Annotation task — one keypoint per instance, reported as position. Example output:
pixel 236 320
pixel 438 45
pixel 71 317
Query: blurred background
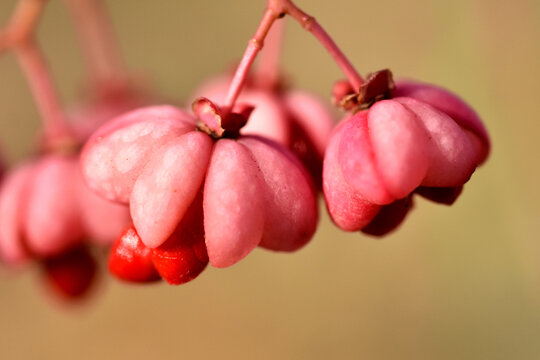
pixel 460 282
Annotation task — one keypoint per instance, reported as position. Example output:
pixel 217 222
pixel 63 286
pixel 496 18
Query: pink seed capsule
pixel 46 209
pixel 423 140
pixel 158 159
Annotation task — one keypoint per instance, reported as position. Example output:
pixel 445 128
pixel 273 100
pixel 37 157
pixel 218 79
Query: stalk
pixel 277 9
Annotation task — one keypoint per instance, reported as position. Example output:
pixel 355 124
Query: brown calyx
pixel 378 86
pixel 219 123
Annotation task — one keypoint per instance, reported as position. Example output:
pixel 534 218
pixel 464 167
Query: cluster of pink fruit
pixel 242 169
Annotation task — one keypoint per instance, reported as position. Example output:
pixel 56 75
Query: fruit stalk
pixel 277 9
pixel 268 72
pixel 19 37
pixel 254 46
pixel 22 23
pixel 103 60
pixel 310 24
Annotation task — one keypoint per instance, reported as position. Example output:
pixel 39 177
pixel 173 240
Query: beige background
pixel 453 283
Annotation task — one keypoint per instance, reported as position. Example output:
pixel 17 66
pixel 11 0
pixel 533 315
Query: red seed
pixel 71 274
pixel 183 256
pixel 130 260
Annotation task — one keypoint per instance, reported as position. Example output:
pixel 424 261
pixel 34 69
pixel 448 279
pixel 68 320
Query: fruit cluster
pixel 170 190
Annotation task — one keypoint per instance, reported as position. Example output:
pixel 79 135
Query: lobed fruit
pixel 254 192
pixel 424 140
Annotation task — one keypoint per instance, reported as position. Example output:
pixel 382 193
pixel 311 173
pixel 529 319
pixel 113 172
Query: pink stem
pixel 37 74
pixel 310 24
pixel 95 32
pixel 22 23
pixel 268 72
pixel 275 10
pixel 19 37
pixel 254 46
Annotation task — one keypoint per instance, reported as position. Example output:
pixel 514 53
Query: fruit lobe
pixel 46 209
pixel 167 186
pixel 234 211
pixel 113 157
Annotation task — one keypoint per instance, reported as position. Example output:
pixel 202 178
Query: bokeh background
pixel 460 282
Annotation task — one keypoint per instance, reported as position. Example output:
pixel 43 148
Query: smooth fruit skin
pixel 72 273
pixel 450 104
pixel 290 201
pixel 348 209
pixel 168 184
pixel 425 141
pixel 13 198
pixel 52 222
pixel 130 260
pixel 113 158
pixel 234 209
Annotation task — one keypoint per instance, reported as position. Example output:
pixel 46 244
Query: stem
pixel 37 74
pixel 277 9
pixel 268 73
pixel 22 23
pixel 103 60
pixel 19 37
pixel 254 46
pixel 310 24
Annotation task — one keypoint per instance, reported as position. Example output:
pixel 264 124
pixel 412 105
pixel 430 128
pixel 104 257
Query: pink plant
pixel 423 139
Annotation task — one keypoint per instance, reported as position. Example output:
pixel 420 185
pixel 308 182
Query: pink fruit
pixel 156 158
pixel 295 119
pixel 46 209
pixel 424 140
